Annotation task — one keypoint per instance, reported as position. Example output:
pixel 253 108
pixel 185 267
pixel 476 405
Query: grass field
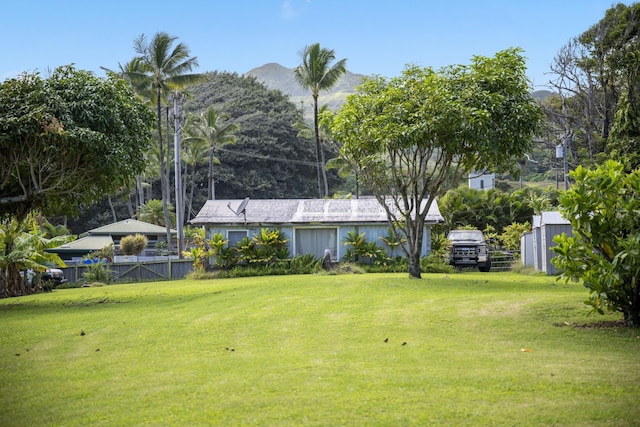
pixel 373 349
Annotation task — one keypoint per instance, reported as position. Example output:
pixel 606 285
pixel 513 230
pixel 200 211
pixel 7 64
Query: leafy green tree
pixel 604 253
pixel 316 73
pixel 162 67
pixel 68 140
pixel 414 135
pixel 596 76
pixel 510 237
pixel 214 128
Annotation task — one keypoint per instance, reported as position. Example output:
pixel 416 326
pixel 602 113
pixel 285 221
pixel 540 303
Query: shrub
pixel 97 272
pixel 433 263
pixel 133 245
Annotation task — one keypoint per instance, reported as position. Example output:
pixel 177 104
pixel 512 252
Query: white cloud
pixel 288 11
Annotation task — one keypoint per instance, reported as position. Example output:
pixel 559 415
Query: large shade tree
pixel 68 140
pixel 412 136
pixel 317 73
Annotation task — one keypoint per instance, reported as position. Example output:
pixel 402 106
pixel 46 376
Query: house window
pixel 235 236
pixel 316 240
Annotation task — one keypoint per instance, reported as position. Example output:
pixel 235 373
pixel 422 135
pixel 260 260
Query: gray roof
pixel 299 211
pixel 88 243
pixel 129 226
pixel 552 217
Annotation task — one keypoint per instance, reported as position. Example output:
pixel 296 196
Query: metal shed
pixel 551 224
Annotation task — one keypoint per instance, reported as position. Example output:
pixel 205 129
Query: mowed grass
pixel 373 349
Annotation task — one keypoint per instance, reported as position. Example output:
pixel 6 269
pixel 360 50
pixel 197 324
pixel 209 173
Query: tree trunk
pixel 140 190
pixel 212 190
pixel 113 210
pixel 163 177
pixel 632 311
pixel 168 163
pixel 318 146
pixel 414 267
pixel 324 171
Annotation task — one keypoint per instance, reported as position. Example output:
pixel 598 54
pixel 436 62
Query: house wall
pixel 373 232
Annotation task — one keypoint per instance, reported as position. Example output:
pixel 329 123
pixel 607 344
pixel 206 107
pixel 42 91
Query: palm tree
pixel 316 73
pixel 194 153
pixel 163 68
pixel 214 128
pixel 153 213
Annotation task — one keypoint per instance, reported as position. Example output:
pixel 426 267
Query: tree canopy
pixel 413 135
pixel 596 78
pixel 68 140
pixel 268 159
pixel 603 206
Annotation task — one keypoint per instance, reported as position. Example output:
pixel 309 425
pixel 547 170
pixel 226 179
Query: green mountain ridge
pixel 276 76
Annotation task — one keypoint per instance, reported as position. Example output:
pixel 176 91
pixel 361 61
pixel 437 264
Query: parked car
pixel 469 249
pixel 54 275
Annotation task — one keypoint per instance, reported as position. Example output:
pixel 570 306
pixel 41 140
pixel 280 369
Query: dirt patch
pixel 604 324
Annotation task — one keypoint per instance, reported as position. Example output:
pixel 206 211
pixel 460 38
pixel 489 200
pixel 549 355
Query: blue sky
pixel 376 37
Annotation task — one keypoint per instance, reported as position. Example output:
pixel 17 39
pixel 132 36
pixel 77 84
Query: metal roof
pixel 552 217
pixel 129 226
pixel 300 211
pixel 88 243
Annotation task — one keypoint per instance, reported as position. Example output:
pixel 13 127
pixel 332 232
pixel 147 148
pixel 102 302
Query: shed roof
pixel 552 217
pixel 129 226
pixel 300 211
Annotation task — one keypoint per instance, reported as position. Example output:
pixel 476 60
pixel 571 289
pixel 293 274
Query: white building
pixel 479 180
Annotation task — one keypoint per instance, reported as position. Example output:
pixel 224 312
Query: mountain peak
pixel 276 76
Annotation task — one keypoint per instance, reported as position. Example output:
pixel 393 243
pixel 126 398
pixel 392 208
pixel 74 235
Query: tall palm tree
pixel 316 73
pixel 164 67
pixel 215 128
pixel 194 153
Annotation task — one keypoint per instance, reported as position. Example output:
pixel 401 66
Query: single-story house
pixel 100 237
pixel 311 225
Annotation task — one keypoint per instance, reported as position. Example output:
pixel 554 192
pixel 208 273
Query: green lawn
pixel 371 349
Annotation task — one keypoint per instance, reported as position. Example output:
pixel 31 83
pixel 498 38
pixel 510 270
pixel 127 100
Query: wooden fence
pixel 137 271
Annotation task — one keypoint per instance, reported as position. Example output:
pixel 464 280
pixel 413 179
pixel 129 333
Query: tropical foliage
pixel 23 257
pixel 603 207
pixel 68 140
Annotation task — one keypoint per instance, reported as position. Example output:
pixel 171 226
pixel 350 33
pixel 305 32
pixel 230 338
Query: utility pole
pixel 177 97
pixel 566 162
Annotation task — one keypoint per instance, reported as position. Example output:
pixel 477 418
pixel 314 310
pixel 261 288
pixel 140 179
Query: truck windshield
pixel 466 235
